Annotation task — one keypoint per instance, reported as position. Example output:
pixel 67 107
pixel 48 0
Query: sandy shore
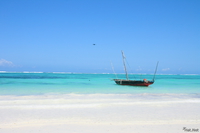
pixel 99 114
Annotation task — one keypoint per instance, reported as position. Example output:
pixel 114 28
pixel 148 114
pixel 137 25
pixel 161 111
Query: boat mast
pixel 124 64
pixel 155 71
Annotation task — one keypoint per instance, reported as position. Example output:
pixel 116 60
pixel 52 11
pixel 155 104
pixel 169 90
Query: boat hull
pixel 133 82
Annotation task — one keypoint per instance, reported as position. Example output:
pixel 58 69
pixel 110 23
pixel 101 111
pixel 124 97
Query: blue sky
pixel 58 35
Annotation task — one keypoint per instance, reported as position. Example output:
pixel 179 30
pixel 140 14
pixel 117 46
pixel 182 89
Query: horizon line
pixel 90 73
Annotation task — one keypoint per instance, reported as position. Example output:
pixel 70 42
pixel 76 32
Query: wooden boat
pixel 126 81
pixel 133 82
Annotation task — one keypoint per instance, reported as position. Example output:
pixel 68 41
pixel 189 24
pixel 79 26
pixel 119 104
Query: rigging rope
pixel 113 70
pixel 130 68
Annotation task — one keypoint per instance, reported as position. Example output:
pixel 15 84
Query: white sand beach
pixel 97 113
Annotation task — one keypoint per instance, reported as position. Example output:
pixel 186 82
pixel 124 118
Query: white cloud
pixel 139 68
pixel 165 69
pixel 4 62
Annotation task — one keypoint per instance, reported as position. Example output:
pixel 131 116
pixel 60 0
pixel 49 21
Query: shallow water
pixel 67 83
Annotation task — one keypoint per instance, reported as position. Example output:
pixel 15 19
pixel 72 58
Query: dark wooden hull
pixel 133 82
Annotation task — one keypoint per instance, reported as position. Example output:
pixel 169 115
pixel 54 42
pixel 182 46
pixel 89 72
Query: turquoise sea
pixel 69 83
